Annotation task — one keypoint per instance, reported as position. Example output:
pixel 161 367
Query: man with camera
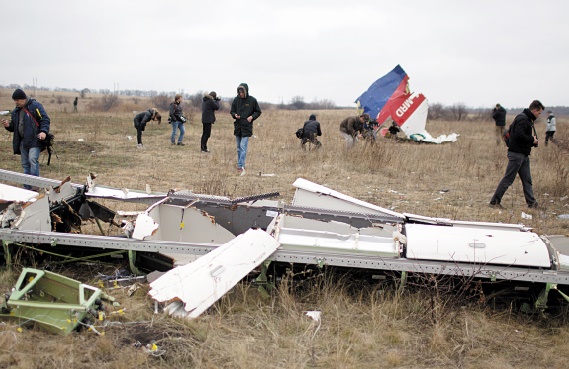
pixel 522 138
pixel 499 116
pixel 177 120
pixel 210 104
pixel 30 124
pixel 352 129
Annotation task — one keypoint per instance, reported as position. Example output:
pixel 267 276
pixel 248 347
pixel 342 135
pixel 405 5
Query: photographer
pixel 177 119
pixel 499 116
pixel 210 104
pixel 522 139
pixel 30 124
pixel 352 129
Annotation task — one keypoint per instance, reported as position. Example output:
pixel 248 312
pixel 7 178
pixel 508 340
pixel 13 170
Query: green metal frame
pixel 57 303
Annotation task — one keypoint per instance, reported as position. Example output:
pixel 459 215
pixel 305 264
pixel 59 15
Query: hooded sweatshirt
pixel 244 107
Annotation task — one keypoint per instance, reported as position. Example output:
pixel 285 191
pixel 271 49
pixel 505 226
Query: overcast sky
pixel 472 52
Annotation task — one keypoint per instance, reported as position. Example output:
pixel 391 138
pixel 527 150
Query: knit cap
pixel 19 94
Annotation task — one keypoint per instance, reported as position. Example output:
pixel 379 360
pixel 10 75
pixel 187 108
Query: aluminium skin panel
pixel 201 283
pixel 294 233
pixel 480 245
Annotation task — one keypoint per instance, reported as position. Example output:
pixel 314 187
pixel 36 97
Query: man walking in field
pixel 30 124
pixel 522 139
pixel 244 110
pixel 499 116
pixel 550 127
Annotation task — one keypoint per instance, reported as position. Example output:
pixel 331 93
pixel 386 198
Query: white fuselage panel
pixel 476 245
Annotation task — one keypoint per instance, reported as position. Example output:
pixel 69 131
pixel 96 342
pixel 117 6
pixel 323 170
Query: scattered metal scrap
pixel 321 227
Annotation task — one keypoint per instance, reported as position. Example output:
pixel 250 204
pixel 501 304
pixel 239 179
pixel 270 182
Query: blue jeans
pixel 242 143
pixel 175 126
pixel 30 161
pixel 518 164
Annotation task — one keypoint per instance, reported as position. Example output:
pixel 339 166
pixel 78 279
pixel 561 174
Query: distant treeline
pixel 162 99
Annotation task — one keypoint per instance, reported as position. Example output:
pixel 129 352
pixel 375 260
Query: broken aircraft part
pixel 320 227
pixel 201 283
pixel 56 303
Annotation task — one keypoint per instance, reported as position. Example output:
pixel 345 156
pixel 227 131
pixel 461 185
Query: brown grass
pixel 366 326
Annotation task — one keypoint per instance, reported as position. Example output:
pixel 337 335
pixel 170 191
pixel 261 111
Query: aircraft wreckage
pixel 206 244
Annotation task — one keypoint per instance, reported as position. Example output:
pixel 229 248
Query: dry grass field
pixel 363 325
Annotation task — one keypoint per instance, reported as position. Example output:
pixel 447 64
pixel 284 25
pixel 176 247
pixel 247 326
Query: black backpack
pixel 508 133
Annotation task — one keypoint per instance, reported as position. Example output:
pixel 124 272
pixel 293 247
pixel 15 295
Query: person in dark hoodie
pixel 522 139
pixel 244 109
pixel 177 120
pixel 30 124
pixel 310 131
pixel 140 121
pixel 210 104
pixel 499 116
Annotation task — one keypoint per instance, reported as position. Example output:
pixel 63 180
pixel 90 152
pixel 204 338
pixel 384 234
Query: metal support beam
pixel 132 263
pixel 15 177
pixel 344 259
pixel 7 254
pixel 264 285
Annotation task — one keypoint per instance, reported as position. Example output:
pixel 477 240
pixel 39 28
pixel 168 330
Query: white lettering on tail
pixel 405 106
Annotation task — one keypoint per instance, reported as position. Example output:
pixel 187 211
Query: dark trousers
pixel 517 164
pixel 139 135
pixel 549 136
pixel 205 135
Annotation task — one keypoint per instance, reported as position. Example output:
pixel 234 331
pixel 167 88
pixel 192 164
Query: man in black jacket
pixel 244 109
pixel 310 130
pixel 499 115
pixel 210 104
pixel 30 124
pixel 522 139
pixel 140 121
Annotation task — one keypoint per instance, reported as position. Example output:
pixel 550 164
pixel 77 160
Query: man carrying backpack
pixel 30 124
pixel 522 139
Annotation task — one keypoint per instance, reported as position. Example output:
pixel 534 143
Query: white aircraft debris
pixel 201 283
